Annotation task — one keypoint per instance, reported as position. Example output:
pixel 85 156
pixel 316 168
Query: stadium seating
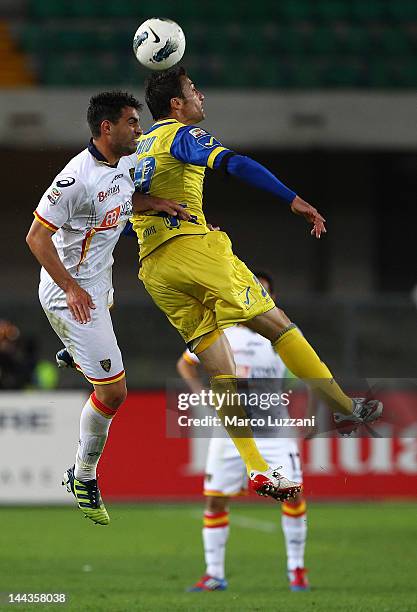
pixel 285 44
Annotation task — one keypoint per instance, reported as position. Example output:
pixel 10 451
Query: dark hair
pixel 161 87
pixel 109 105
pixel 261 274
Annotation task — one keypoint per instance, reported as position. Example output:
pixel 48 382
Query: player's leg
pixel 299 357
pixel 97 355
pixel 216 357
pixel 294 527
pixel 95 421
pixel 302 360
pixel 225 477
pixel 285 452
pixel 215 535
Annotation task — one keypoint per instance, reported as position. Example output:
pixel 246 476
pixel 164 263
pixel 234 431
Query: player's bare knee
pixel 216 504
pixel 112 396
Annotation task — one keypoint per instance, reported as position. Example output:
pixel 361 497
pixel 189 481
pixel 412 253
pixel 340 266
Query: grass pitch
pixel 361 557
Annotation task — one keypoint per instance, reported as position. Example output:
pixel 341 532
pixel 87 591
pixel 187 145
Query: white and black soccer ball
pixel 159 43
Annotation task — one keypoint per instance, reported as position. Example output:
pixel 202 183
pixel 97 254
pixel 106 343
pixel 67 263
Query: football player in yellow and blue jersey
pixel 194 277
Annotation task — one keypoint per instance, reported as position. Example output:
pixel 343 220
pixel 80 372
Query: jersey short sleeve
pixel 193 145
pixel 60 200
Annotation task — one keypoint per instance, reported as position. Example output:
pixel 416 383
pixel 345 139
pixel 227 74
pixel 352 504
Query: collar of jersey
pixel 158 124
pixel 99 156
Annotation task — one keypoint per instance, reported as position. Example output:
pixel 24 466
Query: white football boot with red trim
pixel 273 484
pixel 364 411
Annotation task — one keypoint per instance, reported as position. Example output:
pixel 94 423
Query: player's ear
pixel 176 103
pixel 105 127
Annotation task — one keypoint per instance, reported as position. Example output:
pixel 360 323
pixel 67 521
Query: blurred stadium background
pixel 323 92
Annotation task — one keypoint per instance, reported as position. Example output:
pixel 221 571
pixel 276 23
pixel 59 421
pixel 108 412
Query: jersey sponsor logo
pixel 118 176
pixel 126 209
pixel 103 195
pixel 66 182
pixel 54 195
pixel 197 132
pixel 111 218
pixel 106 364
pixel 149 231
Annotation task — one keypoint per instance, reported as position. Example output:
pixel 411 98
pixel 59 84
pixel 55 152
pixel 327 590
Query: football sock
pixel 294 526
pixel 302 360
pixel 94 426
pixel 224 388
pixel 215 534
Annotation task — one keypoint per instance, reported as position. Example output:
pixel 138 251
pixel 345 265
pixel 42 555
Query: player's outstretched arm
pixel 39 240
pixel 143 202
pixel 257 175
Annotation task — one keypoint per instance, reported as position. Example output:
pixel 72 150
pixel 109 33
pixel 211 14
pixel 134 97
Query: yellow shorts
pixel 200 285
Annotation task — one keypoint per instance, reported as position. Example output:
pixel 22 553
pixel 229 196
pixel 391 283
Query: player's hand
pixel 311 214
pixel 79 302
pixel 147 202
pixel 213 228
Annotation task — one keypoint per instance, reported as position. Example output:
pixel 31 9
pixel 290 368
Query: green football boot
pixel 88 497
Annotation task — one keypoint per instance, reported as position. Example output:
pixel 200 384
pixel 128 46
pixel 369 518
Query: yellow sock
pixel 302 360
pixel 241 436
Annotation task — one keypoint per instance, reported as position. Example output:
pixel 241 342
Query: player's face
pixel 193 100
pixel 125 132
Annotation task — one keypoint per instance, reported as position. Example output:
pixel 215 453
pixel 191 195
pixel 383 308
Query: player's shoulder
pixel 163 128
pixel 193 132
pixel 128 162
pixel 78 168
pixel 69 184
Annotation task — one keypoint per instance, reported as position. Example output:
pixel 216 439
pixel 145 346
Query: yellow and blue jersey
pixel 171 162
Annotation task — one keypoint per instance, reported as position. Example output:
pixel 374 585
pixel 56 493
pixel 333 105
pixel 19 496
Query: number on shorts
pixel 295 461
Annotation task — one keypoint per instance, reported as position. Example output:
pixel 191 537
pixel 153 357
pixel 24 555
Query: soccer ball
pixel 159 43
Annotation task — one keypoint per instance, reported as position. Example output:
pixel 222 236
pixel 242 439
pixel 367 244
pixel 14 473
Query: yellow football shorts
pixel 200 285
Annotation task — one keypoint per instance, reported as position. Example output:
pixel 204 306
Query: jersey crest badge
pixel 208 142
pixel 106 364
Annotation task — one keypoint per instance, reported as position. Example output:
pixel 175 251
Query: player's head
pixel 171 93
pixel 266 281
pixel 114 116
